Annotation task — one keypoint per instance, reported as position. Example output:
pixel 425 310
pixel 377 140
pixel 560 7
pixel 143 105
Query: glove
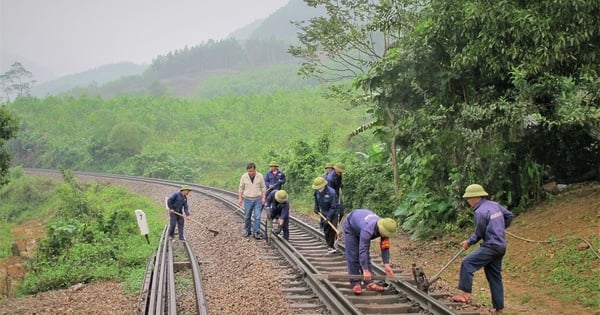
pixel 316 211
pixel 276 229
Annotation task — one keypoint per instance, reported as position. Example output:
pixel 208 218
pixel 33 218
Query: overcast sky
pixel 71 36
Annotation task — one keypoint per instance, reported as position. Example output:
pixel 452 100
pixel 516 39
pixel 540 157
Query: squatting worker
pixel 360 227
pixel 491 219
pixel 278 207
pixel 326 204
pixel 251 196
pixel 178 204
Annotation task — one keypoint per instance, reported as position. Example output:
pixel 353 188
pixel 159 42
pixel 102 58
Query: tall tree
pixel 17 80
pixel 346 43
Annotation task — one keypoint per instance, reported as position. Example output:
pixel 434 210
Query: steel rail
pixel 200 300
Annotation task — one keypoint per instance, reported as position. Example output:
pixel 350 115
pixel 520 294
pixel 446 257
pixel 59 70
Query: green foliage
pixel 207 141
pixel 127 139
pixel 260 81
pixel 24 199
pixel 6 239
pixel 90 238
pixel 9 126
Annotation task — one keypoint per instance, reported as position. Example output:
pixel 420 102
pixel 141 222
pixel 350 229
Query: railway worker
pixel 326 204
pixel 328 169
pixel 334 180
pixel 362 226
pixel 274 179
pixel 278 207
pixel 491 219
pixel 178 205
pixel 251 196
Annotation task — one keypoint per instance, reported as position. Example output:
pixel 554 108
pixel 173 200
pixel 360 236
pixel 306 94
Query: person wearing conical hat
pixel 178 205
pixel 360 227
pixel 491 219
pixel 334 180
pixel 275 178
pixel 326 205
pixel 278 209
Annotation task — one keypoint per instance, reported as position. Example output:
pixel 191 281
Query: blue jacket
pixel 363 222
pixel 279 210
pixel 275 180
pixel 491 219
pixel 326 201
pixel 178 202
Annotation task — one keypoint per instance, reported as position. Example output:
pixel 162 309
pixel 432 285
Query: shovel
pixel 421 279
pixel 215 233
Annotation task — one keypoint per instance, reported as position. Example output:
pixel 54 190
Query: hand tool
pixel 421 279
pixel 328 222
pixel 215 233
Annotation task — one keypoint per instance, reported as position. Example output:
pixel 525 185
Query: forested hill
pixel 256 47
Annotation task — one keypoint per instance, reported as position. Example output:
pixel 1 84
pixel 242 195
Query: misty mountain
pixel 97 76
pixel 279 24
pixel 259 45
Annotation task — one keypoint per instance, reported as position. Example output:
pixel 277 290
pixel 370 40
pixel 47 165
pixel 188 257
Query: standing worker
pixel 328 169
pixel 178 204
pixel 326 203
pixel 362 226
pixel 278 205
pixel 251 195
pixel 274 179
pixel 491 219
pixel 334 180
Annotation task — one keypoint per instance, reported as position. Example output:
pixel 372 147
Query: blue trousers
pixel 351 242
pixel 176 220
pixel 252 206
pixel 490 259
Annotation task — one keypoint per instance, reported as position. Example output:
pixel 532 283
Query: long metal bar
pixel 200 301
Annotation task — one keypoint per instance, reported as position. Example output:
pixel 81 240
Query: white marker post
pixel 142 223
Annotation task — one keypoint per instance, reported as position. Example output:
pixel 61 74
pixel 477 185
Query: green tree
pixel 17 80
pixel 127 139
pixel 9 126
pixel 346 43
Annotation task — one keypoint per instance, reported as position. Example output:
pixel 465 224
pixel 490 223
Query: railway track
pixel 314 283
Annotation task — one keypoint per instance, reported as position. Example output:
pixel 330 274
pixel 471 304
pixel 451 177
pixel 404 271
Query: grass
pixel 89 234
pixel 6 240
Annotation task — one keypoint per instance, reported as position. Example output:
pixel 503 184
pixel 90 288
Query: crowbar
pixel 421 279
pixel 215 233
